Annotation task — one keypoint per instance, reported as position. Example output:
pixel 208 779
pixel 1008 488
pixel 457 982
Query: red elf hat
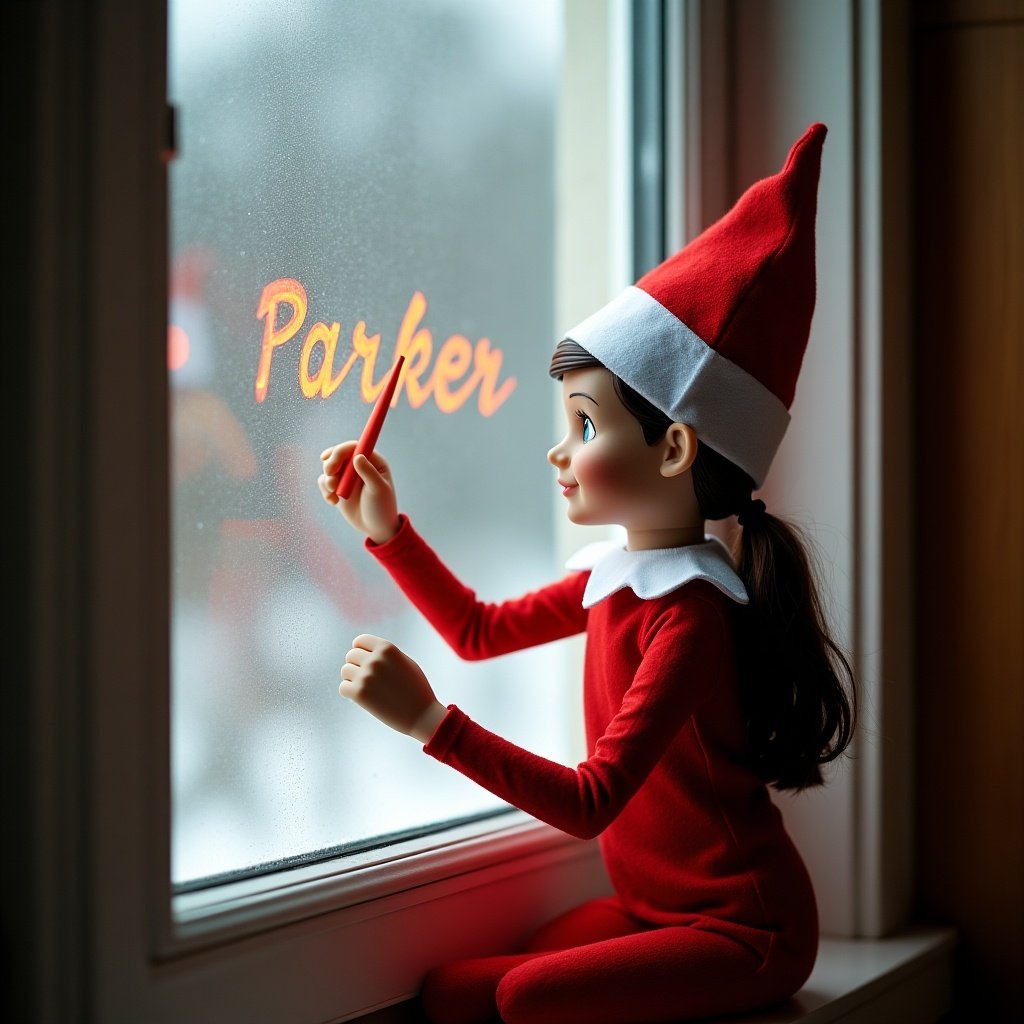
pixel 714 336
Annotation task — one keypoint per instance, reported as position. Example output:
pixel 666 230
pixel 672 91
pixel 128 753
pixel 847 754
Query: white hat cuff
pixel 658 356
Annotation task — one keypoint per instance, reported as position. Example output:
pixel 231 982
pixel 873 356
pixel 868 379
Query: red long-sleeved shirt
pixel 688 832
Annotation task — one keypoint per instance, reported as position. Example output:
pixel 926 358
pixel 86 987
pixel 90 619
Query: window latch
pixel 169 148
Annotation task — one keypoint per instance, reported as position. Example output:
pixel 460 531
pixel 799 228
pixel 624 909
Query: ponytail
pixel 796 685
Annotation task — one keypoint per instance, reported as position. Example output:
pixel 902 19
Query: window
pixel 353 181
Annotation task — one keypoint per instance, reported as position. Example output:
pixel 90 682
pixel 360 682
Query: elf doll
pixel 707 677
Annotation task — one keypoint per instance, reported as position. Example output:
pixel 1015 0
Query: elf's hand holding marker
pixel 372 507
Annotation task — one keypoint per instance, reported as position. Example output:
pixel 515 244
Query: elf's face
pixel 607 471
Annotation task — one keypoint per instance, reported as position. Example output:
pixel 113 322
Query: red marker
pixel 364 446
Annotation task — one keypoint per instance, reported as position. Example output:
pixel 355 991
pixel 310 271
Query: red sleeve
pixel 681 661
pixel 475 629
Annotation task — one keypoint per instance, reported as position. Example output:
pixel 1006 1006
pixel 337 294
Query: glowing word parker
pixel 459 368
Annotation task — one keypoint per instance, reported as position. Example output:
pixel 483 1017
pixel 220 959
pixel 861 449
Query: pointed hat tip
pixel 807 148
pixel 815 134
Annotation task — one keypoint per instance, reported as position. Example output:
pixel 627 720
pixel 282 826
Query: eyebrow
pixel 583 394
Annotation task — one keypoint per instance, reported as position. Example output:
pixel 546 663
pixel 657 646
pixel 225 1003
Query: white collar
pixel 651 574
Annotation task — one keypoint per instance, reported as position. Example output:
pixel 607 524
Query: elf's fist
pixel 391 686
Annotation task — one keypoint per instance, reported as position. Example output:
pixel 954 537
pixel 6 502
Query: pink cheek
pixel 595 473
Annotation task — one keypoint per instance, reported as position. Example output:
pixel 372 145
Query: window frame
pixel 97 891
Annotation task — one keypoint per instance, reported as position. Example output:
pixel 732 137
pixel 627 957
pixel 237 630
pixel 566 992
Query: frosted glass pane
pixel 353 177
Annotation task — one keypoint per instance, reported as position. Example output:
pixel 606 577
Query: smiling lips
pixel 567 489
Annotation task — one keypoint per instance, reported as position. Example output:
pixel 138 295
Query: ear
pixel 680 449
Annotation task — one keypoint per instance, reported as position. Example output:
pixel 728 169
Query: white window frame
pixel 105 947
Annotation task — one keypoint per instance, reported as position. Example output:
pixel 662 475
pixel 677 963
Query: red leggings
pixel 597 964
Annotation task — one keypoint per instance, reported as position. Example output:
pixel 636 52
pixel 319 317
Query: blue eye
pixel 589 431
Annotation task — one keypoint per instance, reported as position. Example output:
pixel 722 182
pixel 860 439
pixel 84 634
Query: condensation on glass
pixel 353 179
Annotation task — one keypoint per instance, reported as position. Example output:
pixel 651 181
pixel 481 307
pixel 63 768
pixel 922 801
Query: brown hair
pixel 796 686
